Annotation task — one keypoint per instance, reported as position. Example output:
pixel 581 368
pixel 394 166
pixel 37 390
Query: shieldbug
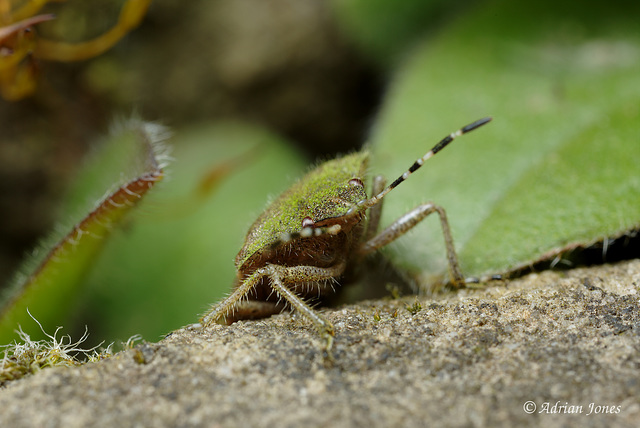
pixel 307 238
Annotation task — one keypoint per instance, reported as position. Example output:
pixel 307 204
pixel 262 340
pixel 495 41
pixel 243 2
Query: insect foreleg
pixel 408 221
pixel 224 307
pixel 281 275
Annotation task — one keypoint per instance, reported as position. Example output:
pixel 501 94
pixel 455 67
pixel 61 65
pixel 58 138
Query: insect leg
pixel 408 221
pixel 379 183
pixel 281 275
pixel 222 308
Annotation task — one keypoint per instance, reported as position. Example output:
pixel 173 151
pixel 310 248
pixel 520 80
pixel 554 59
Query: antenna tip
pixel 476 124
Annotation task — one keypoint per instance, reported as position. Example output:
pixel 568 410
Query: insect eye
pixel 356 182
pixel 307 222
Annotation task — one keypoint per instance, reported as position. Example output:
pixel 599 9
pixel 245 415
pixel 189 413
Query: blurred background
pixel 301 80
pixel 281 64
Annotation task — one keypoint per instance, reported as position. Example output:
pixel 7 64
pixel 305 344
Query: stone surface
pixel 468 359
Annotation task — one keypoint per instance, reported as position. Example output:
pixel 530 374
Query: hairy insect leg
pixel 228 304
pixel 280 276
pixel 283 274
pixel 375 212
pixel 410 220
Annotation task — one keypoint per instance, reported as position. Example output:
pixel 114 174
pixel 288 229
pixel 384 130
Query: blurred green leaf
pixel 178 257
pixel 554 169
pixel 126 167
pixel 385 30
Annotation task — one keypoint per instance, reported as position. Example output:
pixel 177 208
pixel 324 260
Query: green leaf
pixel 129 164
pixel 581 193
pixel 554 169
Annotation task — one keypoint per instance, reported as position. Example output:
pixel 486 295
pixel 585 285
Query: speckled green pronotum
pixel 313 232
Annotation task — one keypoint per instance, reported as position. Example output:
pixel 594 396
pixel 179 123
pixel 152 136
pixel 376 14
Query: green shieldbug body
pixel 312 233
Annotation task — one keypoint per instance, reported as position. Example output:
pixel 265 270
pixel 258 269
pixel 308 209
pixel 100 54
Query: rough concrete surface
pixel 557 339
